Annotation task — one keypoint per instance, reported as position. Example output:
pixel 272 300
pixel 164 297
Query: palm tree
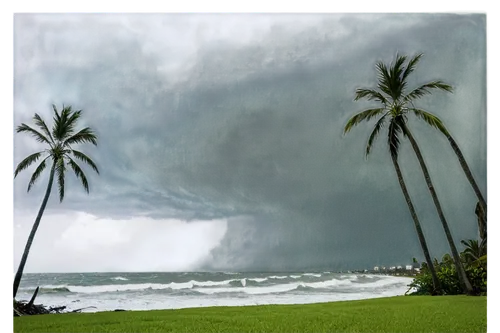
pixel 474 249
pixel 59 151
pixel 394 131
pixel 396 105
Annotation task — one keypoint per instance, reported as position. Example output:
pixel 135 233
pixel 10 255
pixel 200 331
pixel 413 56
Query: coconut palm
pixel 396 105
pixel 60 153
pixel 394 132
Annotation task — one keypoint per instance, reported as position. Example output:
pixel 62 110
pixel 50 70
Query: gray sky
pixel 221 145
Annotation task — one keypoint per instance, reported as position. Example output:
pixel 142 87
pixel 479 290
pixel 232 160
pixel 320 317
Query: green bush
pixel 477 277
pixel 448 277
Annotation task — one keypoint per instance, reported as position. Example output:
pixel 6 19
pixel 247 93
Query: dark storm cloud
pixel 251 130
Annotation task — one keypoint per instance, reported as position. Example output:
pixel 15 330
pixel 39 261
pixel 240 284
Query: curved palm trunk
pixel 19 273
pixel 480 215
pixel 421 238
pixel 460 269
pixel 467 172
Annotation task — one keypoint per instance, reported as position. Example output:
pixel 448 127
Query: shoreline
pixel 162 293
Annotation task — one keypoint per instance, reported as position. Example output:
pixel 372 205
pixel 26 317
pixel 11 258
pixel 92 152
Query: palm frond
pixel 37 173
pixel 370 95
pixel 396 73
pixel 65 112
pixel 64 124
pixel 384 79
pixel 397 68
pixel 364 115
pixel 82 157
pixel 425 89
pixel 60 169
pixel 430 119
pixel 41 123
pixel 393 137
pixel 84 135
pixel 73 117
pixel 374 134
pixel 57 119
pixel 27 162
pixel 37 135
pixel 411 66
pixel 79 174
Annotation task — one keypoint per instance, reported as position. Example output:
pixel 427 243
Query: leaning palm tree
pixel 60 153
pixel 396 105
pixel 393 142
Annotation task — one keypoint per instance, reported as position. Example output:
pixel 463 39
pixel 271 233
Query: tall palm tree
pixel 393 142
pixel 396 105
pixel 60 152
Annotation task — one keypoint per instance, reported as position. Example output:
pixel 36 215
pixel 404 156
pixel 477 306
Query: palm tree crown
pixel 396 102
pixel 60 141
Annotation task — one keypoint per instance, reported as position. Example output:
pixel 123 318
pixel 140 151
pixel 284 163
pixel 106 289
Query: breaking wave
pixel 251 285
pixel 119 278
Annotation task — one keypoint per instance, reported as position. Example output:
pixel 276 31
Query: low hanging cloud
pixel 239 118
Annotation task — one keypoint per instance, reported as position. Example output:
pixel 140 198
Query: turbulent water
pixel 146 291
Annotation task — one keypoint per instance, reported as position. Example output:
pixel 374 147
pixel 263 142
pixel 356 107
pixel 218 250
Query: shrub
pixel 448 278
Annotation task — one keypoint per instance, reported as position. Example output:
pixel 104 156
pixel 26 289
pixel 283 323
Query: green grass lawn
pixel 394 314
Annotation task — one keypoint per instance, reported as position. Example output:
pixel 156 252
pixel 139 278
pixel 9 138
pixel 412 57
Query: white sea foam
pixel 280 288
pixel 206 292
pixel 312 274
pixel 138 286
pixel 119 278
pixel 160 302
pixel 258 279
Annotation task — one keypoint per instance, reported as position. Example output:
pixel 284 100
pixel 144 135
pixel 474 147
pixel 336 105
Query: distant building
pixel 392 268
pixel 376 268
pixel 399 267
pixel 409 267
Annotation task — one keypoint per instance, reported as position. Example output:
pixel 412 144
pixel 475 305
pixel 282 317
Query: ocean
pixel 147 291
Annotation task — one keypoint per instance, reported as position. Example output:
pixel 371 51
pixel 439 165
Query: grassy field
pixel 394 314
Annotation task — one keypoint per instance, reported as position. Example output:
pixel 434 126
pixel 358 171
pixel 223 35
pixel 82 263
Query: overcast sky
pixel 221 145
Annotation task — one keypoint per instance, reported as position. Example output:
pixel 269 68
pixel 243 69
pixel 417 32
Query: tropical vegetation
pixel 473 259
pixel 397 104
pixel 60 154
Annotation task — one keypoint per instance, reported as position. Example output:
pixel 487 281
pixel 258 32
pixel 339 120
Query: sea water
pixel 155 290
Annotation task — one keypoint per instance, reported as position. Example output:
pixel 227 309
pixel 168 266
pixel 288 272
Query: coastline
pixel 98 292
